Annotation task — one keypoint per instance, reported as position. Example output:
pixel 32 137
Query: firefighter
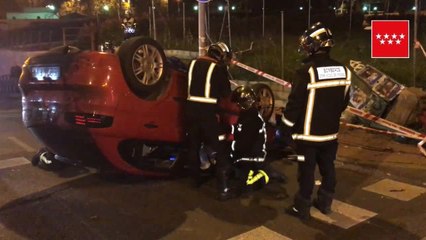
pixel 128 24
pixel 311 118
pixel 248 148
pixel 248 135
pixel 208 83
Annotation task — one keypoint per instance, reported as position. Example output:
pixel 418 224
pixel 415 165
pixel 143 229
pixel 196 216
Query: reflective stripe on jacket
pixel 207 81
pixel 317 100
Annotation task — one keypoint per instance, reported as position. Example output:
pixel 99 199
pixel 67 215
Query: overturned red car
pixel 124 108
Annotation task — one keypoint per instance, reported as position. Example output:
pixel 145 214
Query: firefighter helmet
pixel 220 51
pixel 244 96
pixel 315 38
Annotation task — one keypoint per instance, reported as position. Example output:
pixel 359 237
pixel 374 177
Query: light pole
pixel 183 20
pixel 309 13
pixel 153 20
pixel 202 36
pixel 416 18
pixel 229 22
pixel 350 17
pixel 282 44
pixel 263 18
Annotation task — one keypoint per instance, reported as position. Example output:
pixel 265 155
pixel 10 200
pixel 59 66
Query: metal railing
pixel 8 86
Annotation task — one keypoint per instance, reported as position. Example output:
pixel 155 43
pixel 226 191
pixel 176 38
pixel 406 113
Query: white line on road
pixel 23 145
pixel 394 189
pixel 11 111
pixel 260 233
pixel 343 215
pixel 13 162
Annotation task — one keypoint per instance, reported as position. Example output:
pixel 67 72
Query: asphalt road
pixel 80 203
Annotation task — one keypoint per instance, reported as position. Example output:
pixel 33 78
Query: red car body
pixel 87 106
pixel 90 110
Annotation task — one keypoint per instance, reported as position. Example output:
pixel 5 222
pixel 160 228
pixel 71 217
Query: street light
pixel 51 7
pixel 105 8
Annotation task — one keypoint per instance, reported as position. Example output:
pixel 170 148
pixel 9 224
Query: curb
pixel 375 164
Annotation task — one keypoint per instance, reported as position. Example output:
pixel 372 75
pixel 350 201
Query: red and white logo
pixel 390 39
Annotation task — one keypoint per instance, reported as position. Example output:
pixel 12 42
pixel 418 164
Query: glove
pixel 284 136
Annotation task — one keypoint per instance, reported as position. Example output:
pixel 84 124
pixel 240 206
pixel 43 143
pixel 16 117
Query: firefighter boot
pixel 301 208
pixel 323 201
pixel 224 186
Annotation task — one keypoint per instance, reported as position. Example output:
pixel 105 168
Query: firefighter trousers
pixel 323 155
pixel 205 130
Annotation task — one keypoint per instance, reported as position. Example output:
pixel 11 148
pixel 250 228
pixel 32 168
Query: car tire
pixel 143 63
pixel 265 100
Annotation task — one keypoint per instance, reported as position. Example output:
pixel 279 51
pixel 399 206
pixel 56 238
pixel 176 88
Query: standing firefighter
pixel 207 83
pixel 312 114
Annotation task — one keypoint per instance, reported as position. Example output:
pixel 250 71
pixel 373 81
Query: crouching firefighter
pixel 311 118
pixel 208 83
pixel 248 141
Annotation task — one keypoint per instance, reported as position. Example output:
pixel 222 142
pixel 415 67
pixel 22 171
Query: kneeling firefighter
pixel 248 140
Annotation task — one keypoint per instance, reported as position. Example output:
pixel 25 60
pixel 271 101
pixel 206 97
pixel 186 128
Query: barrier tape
pixel 374 130
pixel 420 146
pixel 234 83
pixel 406 131
pixel 419 45
pixel 262 74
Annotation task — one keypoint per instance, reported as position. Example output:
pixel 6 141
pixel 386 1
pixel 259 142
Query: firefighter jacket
pixel 249 137
pixel 207 83
pixel 317 99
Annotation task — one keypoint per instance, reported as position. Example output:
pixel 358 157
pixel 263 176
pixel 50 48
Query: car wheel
pixel 266 100
pixel 143 62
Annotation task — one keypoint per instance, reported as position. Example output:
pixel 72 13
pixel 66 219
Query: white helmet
pixel 220 51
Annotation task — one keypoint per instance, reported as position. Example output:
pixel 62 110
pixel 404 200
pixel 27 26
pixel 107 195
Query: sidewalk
pixel 10 102
pixel 361 147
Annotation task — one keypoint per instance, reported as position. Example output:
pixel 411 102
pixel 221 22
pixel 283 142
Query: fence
pixel 9 86
pixel 44 34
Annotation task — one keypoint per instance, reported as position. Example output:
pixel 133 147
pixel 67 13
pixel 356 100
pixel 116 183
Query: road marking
pixel 23 145
pixel 11 111
pixel 9 114
pixel 13 162
pixel 260 233
pixel 5 233
pixel 394 189
pixel 343 215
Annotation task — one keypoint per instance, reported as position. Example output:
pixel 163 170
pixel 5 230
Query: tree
pixel 73 6
pixel 88 7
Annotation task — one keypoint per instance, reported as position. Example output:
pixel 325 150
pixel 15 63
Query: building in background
pixel 32 13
